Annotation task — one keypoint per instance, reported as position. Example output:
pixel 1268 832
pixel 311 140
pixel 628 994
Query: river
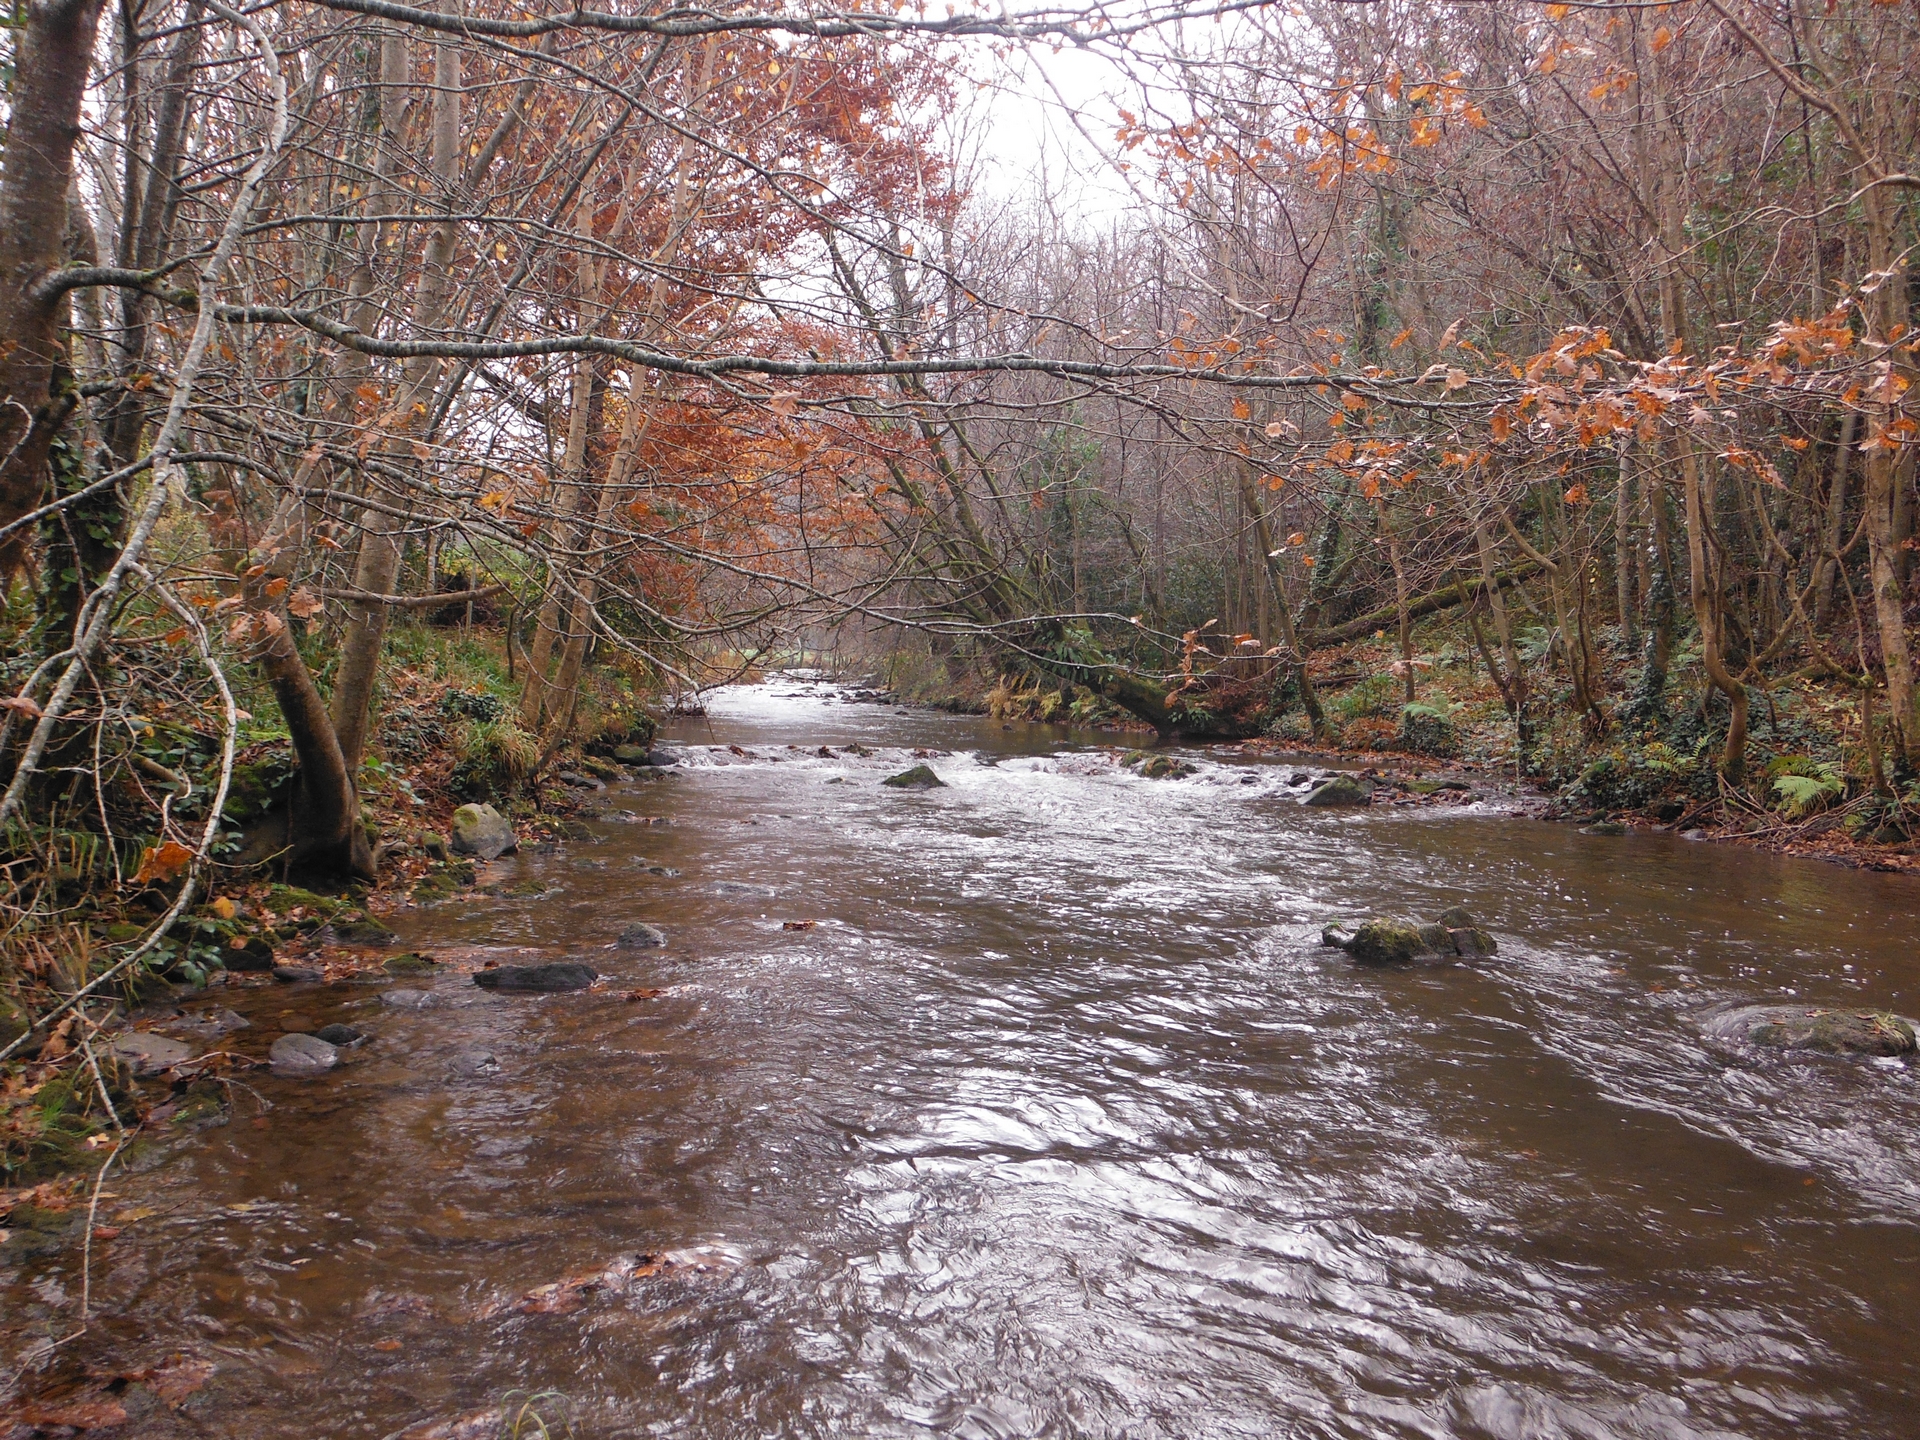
pixel 1056 1120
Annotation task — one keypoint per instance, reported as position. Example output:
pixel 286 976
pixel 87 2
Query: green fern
pixel 1803 794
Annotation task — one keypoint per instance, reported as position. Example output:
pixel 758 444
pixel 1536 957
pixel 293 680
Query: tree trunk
pixel 51 61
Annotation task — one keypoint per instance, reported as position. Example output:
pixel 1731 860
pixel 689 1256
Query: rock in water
pixel 482 830
pixel 410 963
pixel 660 759
pixel 920 777
pixel 537 979
pixel 630 754
pixel 340 1034
pixel 1161 767
pixel 642 937
pixel 1469 940
pixel 150 1054
pixel 356 927
pixel 298 974
pixel 302 1055
pixel 1341 790
pixel 1831 1032
pixel 1386 941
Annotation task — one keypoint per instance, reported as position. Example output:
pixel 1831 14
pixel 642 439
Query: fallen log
pixel 1431 603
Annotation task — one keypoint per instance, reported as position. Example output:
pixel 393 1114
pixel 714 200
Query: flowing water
pixel 1057 1121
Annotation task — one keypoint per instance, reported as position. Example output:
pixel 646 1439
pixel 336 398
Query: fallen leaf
pixel 174 1381
pixel 84 1415
pixel 799 924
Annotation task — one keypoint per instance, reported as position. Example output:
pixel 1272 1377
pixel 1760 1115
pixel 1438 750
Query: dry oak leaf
pixel 304 604
pixel 163 862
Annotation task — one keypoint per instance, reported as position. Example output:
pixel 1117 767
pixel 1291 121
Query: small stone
pixel 630 754
pixel 150 1054
pixel 298 974
pixel 537 979
pixel 435 846
pixel 642 937
pixel 660 759
pixel 920 777
pixel 482 830
pixel 410 963
pixel 1341 790
pixel 338 1035
pixel 579 781
pixel 302 1055
pixel 1605 827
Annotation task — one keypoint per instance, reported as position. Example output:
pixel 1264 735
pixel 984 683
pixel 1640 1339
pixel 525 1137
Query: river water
pixel 1056 1121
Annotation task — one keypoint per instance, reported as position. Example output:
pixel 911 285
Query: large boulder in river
pixel 1342 790
pixel 1386 941
pixel 537 979
pixel 482 830
pixel 1829 1032
pixel 920 777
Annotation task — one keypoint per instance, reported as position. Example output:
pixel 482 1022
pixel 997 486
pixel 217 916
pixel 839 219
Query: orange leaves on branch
pixel 162 864
pixel 304 604
pixel 1662 38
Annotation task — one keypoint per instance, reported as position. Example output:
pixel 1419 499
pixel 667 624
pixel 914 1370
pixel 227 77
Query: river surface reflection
pixel 1057 1120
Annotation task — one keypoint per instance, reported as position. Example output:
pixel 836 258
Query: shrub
pixel 1429 729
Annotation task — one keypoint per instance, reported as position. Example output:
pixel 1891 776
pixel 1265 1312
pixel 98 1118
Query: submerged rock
pixel 482 830
pixel 1341 790
pixel 537 979
pixel 642 937
pixel 339 1035
pixel 1823 1032
pixel 920 777
pixel 410 963
pixel 302 1055
pixel 150 1054
pixel 1388 941
pixel 1604 827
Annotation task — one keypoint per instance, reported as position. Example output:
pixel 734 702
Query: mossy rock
pixel 443 881
pixel 248 954
pixel 1833 1032
pixel 1161 767
pixel 598 768
pixel 411 963
pixel 284 899
pixel 572 830
pixel 201 1106
pixel 1389 941
pixel 920 777
pixel 356 927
